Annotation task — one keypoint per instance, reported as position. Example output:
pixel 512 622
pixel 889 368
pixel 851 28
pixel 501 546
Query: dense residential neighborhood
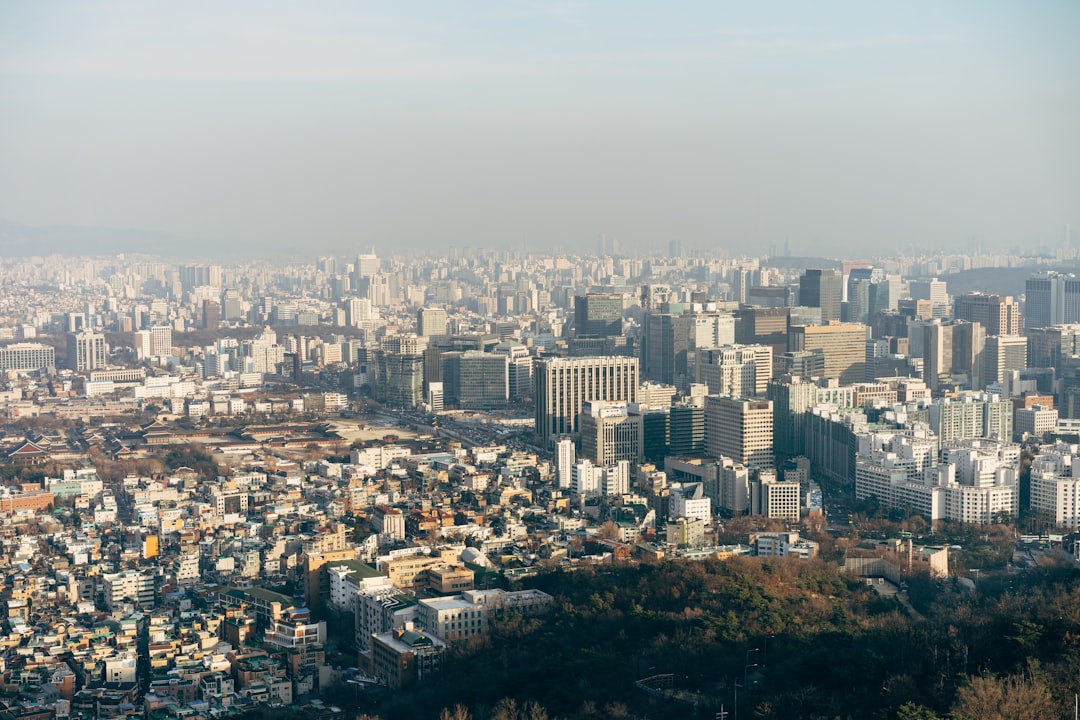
pixel 239 486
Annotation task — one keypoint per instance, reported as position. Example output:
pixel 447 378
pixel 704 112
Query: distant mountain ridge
pixel 17 240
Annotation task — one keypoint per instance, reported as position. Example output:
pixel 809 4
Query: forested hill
pixel 809 642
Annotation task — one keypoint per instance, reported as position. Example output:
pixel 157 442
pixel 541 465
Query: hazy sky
pixel 330 126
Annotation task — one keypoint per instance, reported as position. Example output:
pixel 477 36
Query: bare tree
pixel 458 712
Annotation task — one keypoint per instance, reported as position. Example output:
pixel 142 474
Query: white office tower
pixel 431 321
pixel 688 500
pixel 1055 484
pixel 87 351
pixel 976 480
pixel 564 385
pixel 741 371
pixel 565 456
pixel 367 264
pixel 161 340
pixel 358 311
pixel 739 429
pixel 583 481
pixel 588 480
pixel 614 479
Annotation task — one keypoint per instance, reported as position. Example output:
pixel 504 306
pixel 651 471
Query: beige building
pixel 448 579
pixel 739 429
pixel 609 433
pixel 402 658
pixel 410 571
pixel 843 346
pixel 460 617
pixel 564 385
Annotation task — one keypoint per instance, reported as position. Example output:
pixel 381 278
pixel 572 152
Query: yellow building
pixel 843 346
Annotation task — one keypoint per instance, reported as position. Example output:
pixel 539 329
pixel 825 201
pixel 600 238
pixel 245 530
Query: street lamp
pixel 747 670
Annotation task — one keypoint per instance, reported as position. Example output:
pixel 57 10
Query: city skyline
pixel 546 125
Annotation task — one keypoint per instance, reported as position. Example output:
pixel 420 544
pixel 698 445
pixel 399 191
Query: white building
pixel 564 461
pixel 1055 484
pixel 590 480
pixel 689 501
pixel 459 617
pixel 975 481
pixel 783 544
pixel 1034 421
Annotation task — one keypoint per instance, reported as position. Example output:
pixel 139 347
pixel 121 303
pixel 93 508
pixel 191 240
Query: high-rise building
pixel 868 293
pixel 998 314
pixel 772 296
pixel 739 429
pixel 598 315
pixel 565 457
pixel 564 385
pixel 475 380
pixel 822 288
pixel 705 328
pixel 842 344
pixel 211 314
pixel 430 321
pixel 232 305
pixel 358 311
pixel 400 379
pixel 655 433
pixel 792 397
pixel 932 289
pixel 27 357
pixel 161 340
pixel 667 341
pixel 971 415
pixel 86 351
pixel 609 433
pixel 764 326
pixel 686 430
pixel 367 264
pixel 952 354
pixel 1049 346
pixel 405 343
pixel 1003 353
pixel 520 368
pixel 738 370
pixel 1051 298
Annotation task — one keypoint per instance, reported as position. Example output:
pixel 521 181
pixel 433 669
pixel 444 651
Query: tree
pixel 575 546
pixel 1016 697
pixel 508 709
pixel 458 712
pixel 911 711
pixel 609 531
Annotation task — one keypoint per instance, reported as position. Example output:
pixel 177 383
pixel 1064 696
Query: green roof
pixel 360 568
pixel 269 596
pixel 415 639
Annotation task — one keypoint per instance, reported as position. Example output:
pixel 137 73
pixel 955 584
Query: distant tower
pixel 211 314
pixel 564 385
pixel 598 314
pixel 430 321
pixel 822 289
pixel 86 351
pixel 565 457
